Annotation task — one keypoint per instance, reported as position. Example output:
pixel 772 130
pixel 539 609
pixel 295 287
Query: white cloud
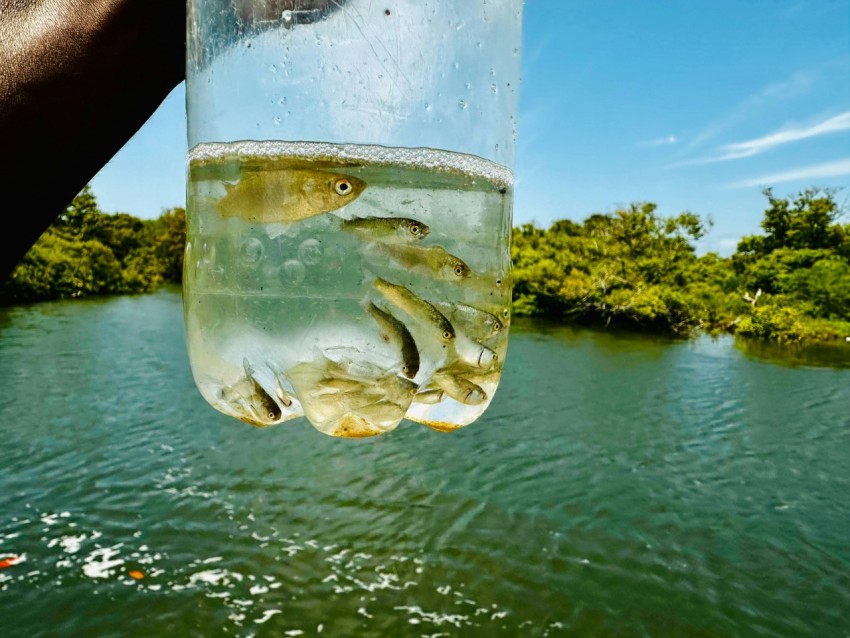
pixel 737 150
pixel 660 141
pixel 798 84
pixel 816 171
pixel 835 124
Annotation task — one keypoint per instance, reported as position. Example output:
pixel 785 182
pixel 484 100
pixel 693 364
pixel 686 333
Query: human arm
pixel 77 79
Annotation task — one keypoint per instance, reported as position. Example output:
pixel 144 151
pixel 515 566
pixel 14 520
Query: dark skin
pixel 77 79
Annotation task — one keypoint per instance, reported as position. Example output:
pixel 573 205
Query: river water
pixel 617 486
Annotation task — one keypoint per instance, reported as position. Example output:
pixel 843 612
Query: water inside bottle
pixel 354 285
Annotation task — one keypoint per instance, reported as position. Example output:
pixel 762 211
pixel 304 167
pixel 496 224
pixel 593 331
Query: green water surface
pixel 617 486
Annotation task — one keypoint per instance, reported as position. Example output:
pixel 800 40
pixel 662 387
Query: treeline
pixel 88 252
pixel 631 268
pixel 638 270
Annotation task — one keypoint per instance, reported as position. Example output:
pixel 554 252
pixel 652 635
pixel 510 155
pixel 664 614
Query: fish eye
pixel 459 270
pixel 342 186
pixel 447 335
pixel 505 313
pixel 414 229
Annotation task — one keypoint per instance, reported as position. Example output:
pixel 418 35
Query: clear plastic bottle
pixel 348 247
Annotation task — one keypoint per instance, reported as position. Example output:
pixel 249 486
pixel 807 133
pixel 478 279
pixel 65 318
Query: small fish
pixel 136 574
pixel 477 323
pixel 480 355
pixel 249 394
pixel 473 353
pixel 429 397
pixel 384 414
pixel 402 228
pixel 288 195
pixel 416 307
pixel 478 376
pixel 336 385
pixel 9 561
pixel 394 332
pixel 434 261
pixel 459 389
pixel 279 390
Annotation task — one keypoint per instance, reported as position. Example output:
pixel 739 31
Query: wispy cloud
pixel 816 171
pixel 785 135
pixel 660 141
pixel 759 145
pixel 798 84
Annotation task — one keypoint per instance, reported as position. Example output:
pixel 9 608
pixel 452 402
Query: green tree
pixel 89 252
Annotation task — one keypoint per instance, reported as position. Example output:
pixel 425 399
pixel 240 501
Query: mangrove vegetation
pixel 631 268
pixel 635 269
pixel 89 252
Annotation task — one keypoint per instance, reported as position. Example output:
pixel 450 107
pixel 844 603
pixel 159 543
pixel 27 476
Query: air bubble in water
pixel 310 252
pixel 251 251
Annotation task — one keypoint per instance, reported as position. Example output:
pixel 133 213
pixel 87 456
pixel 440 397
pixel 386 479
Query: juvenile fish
pixel 394 332
pixel 476 375
pixel 459 389
pixel 434 261
pixel 248 393
pixel 402 228
pixel 381 413
pixel 429 397
pixel 337 385
pixel 279 390
pixel 288 195
pixel 475 353
pixel 477 323
pixel 416 307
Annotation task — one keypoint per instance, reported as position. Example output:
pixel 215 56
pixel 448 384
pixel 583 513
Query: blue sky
pixel 694 105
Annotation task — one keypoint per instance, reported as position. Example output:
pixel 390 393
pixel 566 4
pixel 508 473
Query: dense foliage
pixel 631 268
pixel 89 252
pixel 636 269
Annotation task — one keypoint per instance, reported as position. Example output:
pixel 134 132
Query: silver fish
pixel 416 307
pixel 333 393
pixel 381 413
pixel 434 261
pixel 279 390
pixel 475 322
pixel 459 388
pixel 477 353
pixel 337 385
pixel 247 393
pixel 429 397
pixel 471 372
pixel 396 333
pixel 402 228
